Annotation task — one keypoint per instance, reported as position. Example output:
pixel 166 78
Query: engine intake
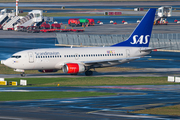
pixel 73 68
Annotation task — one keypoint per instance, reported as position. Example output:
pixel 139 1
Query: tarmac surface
pixel 128 99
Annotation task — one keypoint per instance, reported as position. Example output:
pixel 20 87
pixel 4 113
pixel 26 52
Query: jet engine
pixel 45 71
pixel 73 68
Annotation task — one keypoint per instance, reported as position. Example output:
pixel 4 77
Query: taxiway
pixel 128 98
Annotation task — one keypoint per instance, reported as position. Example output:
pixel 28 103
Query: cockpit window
pixel 16 56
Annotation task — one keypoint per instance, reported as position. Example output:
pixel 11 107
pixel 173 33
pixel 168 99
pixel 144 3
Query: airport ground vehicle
pixel 84 21
pixel 74 22
pixel 91 21
pixel 45 25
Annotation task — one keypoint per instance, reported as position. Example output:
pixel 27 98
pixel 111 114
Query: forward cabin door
pixel 31 58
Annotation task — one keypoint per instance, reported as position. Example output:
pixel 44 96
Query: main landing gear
pixel 23 74
pixel 89 73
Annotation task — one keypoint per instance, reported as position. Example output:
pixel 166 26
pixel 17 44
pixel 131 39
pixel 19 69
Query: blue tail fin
pixel 142 34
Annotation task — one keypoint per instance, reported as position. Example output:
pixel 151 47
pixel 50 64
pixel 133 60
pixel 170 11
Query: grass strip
pixel 170 110
pixel 94 81
pixel 10 96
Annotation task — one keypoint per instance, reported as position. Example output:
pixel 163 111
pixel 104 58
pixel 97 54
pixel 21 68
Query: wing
pixel 108 62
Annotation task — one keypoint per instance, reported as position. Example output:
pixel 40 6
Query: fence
pixel 157 40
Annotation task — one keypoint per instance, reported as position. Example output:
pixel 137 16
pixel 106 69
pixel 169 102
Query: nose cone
pixel 7 63
pixel 2 61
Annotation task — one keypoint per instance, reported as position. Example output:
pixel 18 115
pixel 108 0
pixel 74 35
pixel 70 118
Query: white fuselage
pixel 55 58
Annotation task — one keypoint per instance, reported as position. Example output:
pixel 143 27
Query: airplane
pixel 82 60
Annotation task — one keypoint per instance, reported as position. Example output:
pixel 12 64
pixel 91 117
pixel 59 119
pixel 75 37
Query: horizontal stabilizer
pixel 150 49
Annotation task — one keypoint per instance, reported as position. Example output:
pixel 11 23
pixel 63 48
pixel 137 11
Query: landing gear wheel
pixel 89 73
pixel 23 74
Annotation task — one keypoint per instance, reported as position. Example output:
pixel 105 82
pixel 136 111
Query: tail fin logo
pixel 141 39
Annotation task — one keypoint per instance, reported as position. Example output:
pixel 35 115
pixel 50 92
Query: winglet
pixel 142 34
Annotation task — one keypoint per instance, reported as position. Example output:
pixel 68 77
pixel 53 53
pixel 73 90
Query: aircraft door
pixel 127 53
pixel 31 58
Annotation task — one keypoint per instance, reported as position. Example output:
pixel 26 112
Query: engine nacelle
pixel 73 68
pixel 45 71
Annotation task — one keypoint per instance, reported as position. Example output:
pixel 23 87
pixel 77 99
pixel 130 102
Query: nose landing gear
pixel 23 74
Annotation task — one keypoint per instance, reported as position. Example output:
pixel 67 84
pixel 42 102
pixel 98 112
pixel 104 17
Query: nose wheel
pixel 23 74
pixel 89 73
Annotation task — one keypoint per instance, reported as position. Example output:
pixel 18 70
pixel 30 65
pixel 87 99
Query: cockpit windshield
pixel 16 56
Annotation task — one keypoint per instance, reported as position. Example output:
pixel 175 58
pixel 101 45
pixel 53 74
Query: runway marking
pixel 144 106
pixel 67 101
pixel 129 116
pixel 10 118
pixel 93 111
pixel 16 90
pixel 120 87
